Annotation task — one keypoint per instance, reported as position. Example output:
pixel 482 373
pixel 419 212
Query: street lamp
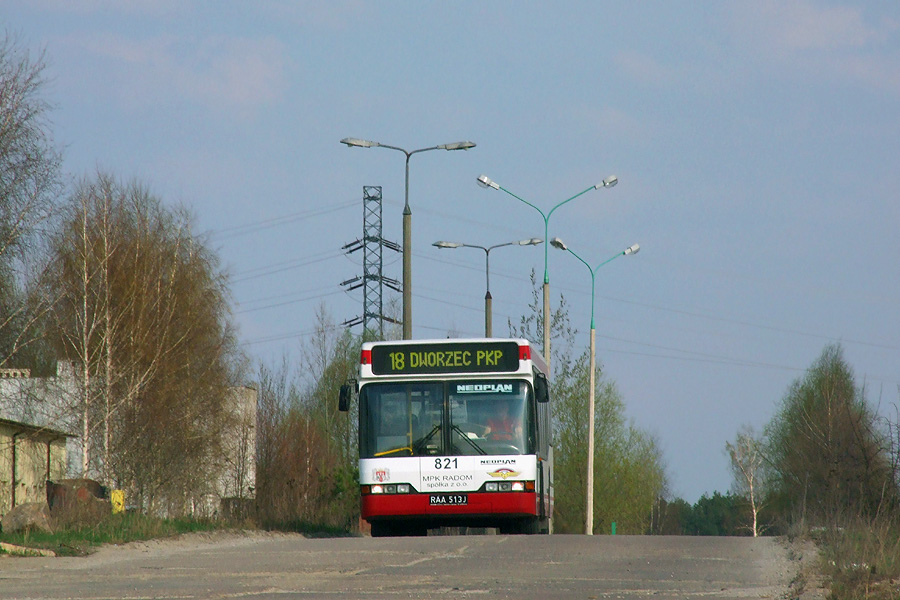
pixel 485 181
pixel 407 219
pixel 487 271
pixel 589 500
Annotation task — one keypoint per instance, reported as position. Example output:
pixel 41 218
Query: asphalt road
pixel 260 565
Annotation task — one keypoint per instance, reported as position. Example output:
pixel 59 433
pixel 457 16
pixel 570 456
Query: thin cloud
pixel 831 42
pixel 141 8
pixel 803 25
pixel 644 69
pixel 224 74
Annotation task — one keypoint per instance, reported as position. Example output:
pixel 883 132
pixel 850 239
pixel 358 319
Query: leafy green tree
pixel 330 359
pixel 826 449
pixel 629 482
pixel 531 324
pixel 670 517
pixel 629 474
pixel 716 515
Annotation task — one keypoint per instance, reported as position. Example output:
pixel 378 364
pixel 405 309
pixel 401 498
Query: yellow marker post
pixel 117 499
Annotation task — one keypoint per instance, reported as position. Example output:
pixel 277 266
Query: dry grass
pixel 115 529
pixel 862 560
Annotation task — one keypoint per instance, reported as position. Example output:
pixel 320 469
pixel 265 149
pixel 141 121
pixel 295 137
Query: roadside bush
pixel 862 559
pixel 300 485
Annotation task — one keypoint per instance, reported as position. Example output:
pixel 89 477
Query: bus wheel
pixel 507 528
pixel 383 529
pixel 416 530
pixel 531 526
pixel 527 526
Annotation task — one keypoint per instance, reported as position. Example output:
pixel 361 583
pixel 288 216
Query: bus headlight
pixel 509 486
pixel 390 488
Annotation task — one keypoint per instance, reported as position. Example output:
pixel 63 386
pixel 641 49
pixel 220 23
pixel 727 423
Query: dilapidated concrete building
pixel 40 440
pixel 33 445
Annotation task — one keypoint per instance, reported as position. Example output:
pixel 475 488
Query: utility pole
pixel 372 280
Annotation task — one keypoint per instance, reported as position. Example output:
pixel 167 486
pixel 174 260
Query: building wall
pixel 238 477
pixel 31 449
pixel 234 490
pixel 33 416
pixel 6 433
pixel 48 403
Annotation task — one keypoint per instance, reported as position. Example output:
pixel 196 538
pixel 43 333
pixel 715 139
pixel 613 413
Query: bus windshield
pixel 490 417
pixel 456 418
pixel 401 419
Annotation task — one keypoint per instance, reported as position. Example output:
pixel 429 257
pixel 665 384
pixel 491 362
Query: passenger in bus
pixel 502 426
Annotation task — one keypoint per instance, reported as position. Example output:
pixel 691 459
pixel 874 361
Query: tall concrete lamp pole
pixel 589 496
pixel 407 219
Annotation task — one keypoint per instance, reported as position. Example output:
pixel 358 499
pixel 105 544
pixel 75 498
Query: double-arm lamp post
pixel 609 182
pixel 407 219
pixel 488 326
pixel 589 497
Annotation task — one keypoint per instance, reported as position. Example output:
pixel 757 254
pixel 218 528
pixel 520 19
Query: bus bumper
pixel 479 504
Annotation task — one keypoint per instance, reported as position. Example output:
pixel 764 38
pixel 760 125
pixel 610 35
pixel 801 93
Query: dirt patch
pixel 187 542
pixel 809 583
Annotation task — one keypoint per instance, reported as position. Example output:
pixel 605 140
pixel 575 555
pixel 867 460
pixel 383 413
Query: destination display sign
pixel 452 357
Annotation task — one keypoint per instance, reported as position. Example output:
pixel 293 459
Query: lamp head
pixel 457 146
pixel 530 242
pixel 447 244
pixel 485 181
pixel 558 243
pixel 632 249
pixel 358 143
pixel 608 182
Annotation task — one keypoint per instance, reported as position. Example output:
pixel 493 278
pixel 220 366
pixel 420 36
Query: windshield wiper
pixel 419 444
pixel 466 437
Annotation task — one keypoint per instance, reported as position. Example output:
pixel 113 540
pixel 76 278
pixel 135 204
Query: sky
pixel 756 145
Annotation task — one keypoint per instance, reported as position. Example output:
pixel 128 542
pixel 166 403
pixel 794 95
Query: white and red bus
pixel 453 433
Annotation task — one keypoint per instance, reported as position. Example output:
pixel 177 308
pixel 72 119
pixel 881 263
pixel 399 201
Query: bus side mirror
pixel 541 389
pixel 345 397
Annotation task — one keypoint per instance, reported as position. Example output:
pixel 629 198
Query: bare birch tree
pixel 29 185
pixel 143 311
pixel 747 462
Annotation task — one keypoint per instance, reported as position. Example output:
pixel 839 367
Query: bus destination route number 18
pixel 471 357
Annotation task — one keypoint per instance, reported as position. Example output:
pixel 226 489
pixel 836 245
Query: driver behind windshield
pixel 502 426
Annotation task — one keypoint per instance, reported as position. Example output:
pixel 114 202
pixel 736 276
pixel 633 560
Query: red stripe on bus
pixel 524 352
pixel 487 504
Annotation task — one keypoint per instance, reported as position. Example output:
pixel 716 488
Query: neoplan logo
pixel 484 388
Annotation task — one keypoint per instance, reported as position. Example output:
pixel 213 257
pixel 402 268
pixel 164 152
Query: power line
pixel 294 334
pixel 287 302
pixel 281 267
pixel 247 228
